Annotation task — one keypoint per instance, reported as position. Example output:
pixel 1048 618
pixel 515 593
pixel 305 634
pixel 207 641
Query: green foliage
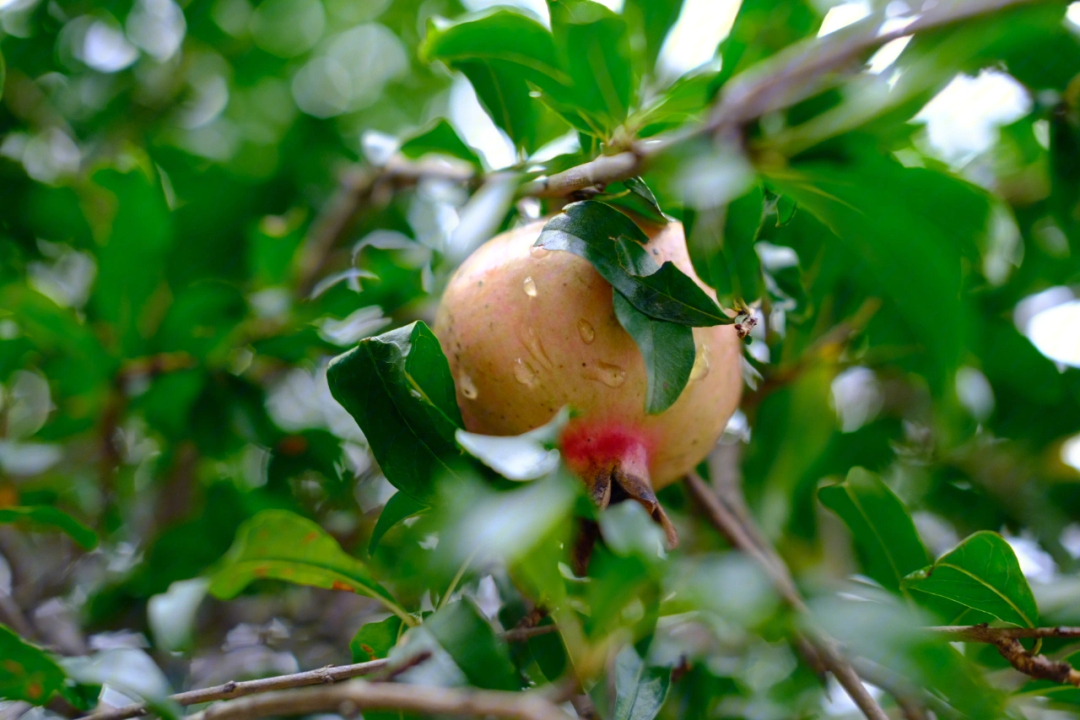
pixel 398 388
pixel 982 574
pixel 29 673
pixel 193 276
pixel 50 516
pixel 884 533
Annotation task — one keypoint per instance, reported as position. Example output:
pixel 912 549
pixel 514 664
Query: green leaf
pixel 399 507
pixel 592 44
pixel 27 672
pixel 549 651
pixel 640 690
pixel 911 229
pixel 981 573
pixel 651 20
pixel 667 349
pixel 529 456
pixel 47 515
pixel 374 639
pixel 281 545
pixel 634 195
pixel 721 243
pixel 399 389
pixel 614 245
pixel 502 53
pixel 884 533
pixel 470 640
pixel 762 28
pixel 440 138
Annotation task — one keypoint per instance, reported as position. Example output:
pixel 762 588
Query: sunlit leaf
pixel 27 672
pixel 399 389
pixel 521 457
pixel 981 573
pixel 374 639
pixel 280 545
pixel 50 516
pixel 667 349
pixel 440 138
pixel 884 533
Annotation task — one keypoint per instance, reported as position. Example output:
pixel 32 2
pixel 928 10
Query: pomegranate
pixel 529 330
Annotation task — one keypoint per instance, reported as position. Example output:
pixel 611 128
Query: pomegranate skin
pixel 528 331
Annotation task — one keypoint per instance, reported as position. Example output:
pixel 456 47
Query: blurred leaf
pixel 132 262
pixel 281 545
pixel 399 507
pixel 501 52
pixel 592 44
pixel 634 195
pixel 651 19
pixel 28 673
pixel 667 349
pixel 614 245
pixel 686 100
pixel 399 389
pixel 482 655
pixel 46 515
pixel 884 533
pixel 374 639
pixel 522 457
pixel 981 573
pixel 640 690
pixel 721 245
pixel 440 138
pixel 549 652
pixel 762 28
pixel 911 227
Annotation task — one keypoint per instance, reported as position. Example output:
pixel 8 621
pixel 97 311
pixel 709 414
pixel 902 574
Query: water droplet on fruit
pixel 468 387
pixel 530 287
pixel 701 363
pixel 525 374
pixel 585 330
pixel 538 252
pixel 610 375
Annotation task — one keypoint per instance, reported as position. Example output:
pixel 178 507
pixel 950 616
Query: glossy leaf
pixel 522 457
pixel 26 672
pixel 440 138
pixel 399 507
pixel 281 545
pixel 634 195
pixel 884 533
pixel 399 389
pixel 592 44
pixel 468 637
pixel 640 689
pixel 374 640
pixel 667 349
pixel 614 245
pixel 981 573
pixel 50 516
pixel 503 53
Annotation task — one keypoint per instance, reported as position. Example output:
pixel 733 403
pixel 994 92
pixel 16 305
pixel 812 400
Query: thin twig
pixel 524 633
pixel 348 698
pixel 728 522
pixel 233 689
pixel 987 634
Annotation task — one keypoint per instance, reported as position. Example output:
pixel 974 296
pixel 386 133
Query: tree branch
pixel 1037 666
pixel 348 698
pixel 738 533
pixel 986 634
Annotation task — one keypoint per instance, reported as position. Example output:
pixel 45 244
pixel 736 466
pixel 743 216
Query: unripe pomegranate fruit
pixel 529 330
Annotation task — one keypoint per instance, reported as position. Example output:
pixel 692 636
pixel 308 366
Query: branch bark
pixel 739 533
pixel 986 634
pixel 357 695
